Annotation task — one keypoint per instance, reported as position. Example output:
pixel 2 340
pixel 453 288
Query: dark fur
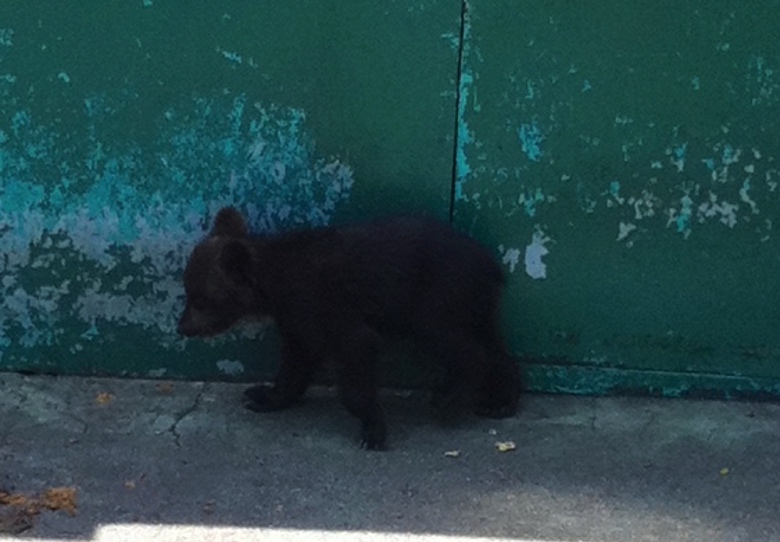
pixel 334 292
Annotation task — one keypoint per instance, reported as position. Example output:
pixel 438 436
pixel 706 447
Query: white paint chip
pixel 624 229
pixel 723 211
pixel 534 252
pixel 745 197
pixel 230 367
pixel 511 258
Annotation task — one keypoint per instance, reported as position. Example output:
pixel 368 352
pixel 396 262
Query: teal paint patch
pixel 729 156
pixel 683 220
pixel 722 183
pixel 21 195
pixel 598 380
pixel 529 200
pixel 586 86
pixel 762 85
pixel 121 206
pixel 232 56
pixel 678 159
pixel 453 39
pixel 6 37
pixel 744 195
pixel 531 140
pixel 463 135
pixel 90 333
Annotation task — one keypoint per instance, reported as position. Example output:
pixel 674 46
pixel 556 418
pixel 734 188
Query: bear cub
pixel 334 292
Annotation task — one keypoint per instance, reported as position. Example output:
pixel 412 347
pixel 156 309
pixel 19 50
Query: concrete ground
pixel 150 460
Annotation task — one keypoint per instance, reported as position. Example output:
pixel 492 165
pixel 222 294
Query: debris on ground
pixel 506 446
pixel 18 510
pixel 104 398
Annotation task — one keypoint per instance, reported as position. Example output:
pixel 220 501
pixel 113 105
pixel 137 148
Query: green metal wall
pixel 619 157
pixel 627 152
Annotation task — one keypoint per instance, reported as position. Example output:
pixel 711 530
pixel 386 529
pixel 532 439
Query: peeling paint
pixel 230 367
pixel 625 229
pixel 761 83
pixel 668 148
pixel 510 257
pixel 645 205
pixel 614 191
pixel 121 206
pixel 529 199
pixel 723 211
pixel 531 140
pixel 745 197
pixel 6 37
pixel 453 39
pixel 708 192
pixel 682 216
pixel 232 56
pixel 464 136
pixel 677 156
pixel 534 252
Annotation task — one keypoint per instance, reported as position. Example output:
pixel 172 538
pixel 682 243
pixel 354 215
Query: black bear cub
pixel 334 292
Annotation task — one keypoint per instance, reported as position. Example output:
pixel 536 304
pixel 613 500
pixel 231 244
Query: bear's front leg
pixel 357 355
pixel 265 398
pixel 295 374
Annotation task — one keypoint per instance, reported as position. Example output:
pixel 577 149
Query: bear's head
pixel 219 281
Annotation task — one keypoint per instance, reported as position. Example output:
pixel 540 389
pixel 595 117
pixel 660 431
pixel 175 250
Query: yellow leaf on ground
pixel 104 398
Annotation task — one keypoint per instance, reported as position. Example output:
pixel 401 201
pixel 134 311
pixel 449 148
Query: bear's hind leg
pixel 499 392
pixel 463 360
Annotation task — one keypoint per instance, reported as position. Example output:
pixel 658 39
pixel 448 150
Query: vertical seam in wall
pixel 458 97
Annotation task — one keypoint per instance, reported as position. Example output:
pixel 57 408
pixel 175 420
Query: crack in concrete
pixel 186 412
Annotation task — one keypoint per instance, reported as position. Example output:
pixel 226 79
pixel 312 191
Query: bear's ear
pixel 235 259
pixel 229 222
